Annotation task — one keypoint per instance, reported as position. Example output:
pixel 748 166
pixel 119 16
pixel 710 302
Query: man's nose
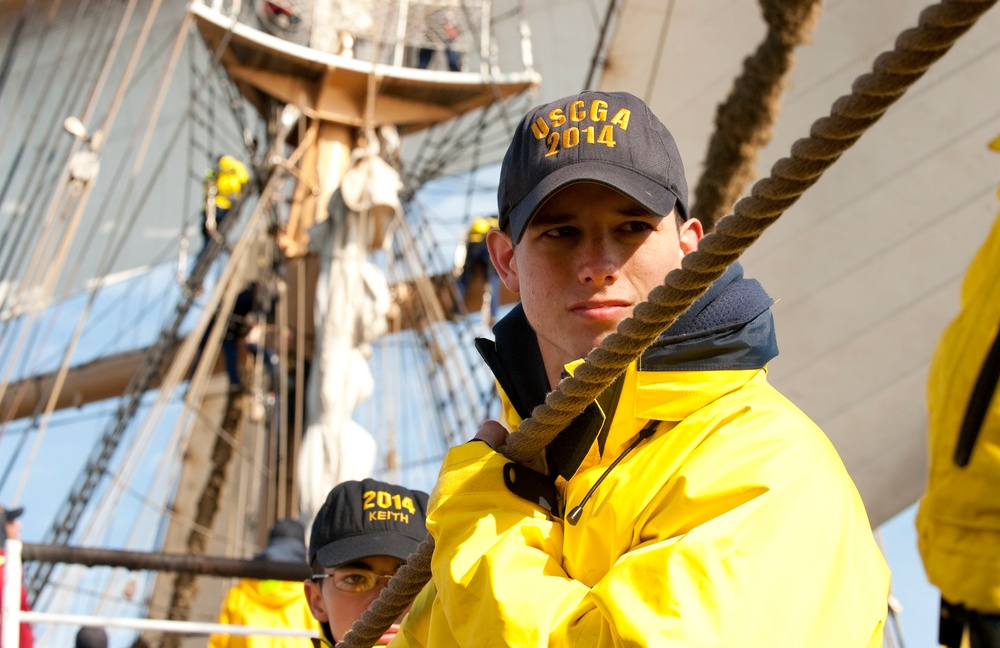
pixel 597 264
pixel 374 592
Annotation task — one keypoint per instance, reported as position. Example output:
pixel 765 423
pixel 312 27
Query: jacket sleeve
pixel 222 640
pixel 414 629
pixel 735 562
pixel 496 559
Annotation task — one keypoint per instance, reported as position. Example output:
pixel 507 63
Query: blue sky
pixel 909 581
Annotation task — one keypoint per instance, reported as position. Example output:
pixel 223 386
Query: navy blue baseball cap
pixel 611 138
pixel 367 518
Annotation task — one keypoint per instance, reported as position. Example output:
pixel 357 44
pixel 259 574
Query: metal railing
pixel 404 33
pixel 13 616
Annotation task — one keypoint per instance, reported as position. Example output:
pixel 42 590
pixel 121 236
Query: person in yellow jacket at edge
pixel 361 536
pixel 270 603
pixel 958 519
pixel 691 504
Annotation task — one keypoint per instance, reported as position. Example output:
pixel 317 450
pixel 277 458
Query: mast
pixel 341 111
pixel 342 93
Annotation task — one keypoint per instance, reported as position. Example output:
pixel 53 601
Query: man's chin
pixel 598 340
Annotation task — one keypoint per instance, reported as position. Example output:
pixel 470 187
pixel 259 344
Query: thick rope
pixel 397 595
pixel 744 121
pixel 893 73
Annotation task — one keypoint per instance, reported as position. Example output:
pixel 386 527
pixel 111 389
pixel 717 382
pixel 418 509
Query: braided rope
pixel 396 597
pixel 744 121
pixel 916 49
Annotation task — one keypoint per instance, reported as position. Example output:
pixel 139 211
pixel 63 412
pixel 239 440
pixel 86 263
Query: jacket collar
pixel 728 328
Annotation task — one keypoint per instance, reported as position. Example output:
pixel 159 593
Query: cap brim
pixel 645 191
pixel 14 513
pixel 355 548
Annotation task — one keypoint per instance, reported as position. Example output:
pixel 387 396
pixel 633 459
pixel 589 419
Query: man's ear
pixel 690 234
pixel 502 253
pixel 314 596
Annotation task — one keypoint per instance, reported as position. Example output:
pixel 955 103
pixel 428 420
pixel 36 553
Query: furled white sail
pixel 352 301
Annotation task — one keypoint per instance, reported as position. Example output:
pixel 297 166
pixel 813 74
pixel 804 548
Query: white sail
pixel 352 303
pixel 867 266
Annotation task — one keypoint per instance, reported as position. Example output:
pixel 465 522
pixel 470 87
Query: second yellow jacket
pixel 265 604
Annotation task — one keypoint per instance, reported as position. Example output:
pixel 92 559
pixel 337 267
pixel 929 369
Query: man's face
pixel 13 530
pixel 340 608
pixel 587 258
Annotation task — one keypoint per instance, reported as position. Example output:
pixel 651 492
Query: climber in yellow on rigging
pixel 223 186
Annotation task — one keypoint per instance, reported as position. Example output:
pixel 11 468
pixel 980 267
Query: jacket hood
pixel 728 327
pixel 271 593
pixel 727 332
pixel 283 549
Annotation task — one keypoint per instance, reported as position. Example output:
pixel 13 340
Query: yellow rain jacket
pixel 731 523
pixel 480 228
pixel 958 520
pixel 229 177
pixel 265 604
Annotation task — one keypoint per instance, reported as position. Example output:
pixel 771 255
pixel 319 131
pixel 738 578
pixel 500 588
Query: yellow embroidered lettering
pixel 589 132
pixel 553 142
pixel 571 137
pixel 607 136
pixel 621 119
pixel 557 117
pixel 577 111
pixel 540 129
pixel 598 110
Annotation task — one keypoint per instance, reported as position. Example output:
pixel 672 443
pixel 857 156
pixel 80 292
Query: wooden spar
pixel 339 102
pixel 108 377
pixel 165 562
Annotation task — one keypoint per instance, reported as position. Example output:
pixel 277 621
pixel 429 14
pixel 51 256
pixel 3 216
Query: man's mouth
pixel 601 309
pixel 388 635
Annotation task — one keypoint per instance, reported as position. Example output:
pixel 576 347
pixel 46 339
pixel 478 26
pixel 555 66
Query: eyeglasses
pixel 353 579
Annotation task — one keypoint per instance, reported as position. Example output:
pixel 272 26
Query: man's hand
pixel 492 433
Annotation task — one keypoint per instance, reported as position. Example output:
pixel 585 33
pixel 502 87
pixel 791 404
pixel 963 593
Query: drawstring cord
pixel 574 515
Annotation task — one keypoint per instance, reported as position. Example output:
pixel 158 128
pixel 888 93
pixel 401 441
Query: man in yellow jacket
pixel 690 504
pixel 958 521
pixel 477 261
pixel 270 603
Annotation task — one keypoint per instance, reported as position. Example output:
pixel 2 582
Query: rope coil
pixel 871 95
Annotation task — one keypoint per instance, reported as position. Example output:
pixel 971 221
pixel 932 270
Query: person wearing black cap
pixel 361 536
pixel 91 637
pixel 10 527
pixel 270 603
pixel 691 503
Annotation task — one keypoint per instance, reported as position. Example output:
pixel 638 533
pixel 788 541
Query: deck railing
pixel 435 34
pixel 13 616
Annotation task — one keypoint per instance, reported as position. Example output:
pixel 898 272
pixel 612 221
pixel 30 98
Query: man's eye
pixel 637 226
pixel 560 232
